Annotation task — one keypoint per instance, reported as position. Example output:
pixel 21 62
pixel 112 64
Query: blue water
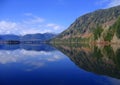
pixel 44 65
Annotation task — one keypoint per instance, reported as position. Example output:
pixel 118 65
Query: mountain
pixel 28 37
pixel 9 37
pixel 38 37
pixel 98 26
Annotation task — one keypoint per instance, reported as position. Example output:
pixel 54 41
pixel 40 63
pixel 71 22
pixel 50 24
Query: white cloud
pixel 54 26
pixel 30 25
pixel 32 19
pixel 109 3
pixel 113 3
pixel 8 25
pixel 28 14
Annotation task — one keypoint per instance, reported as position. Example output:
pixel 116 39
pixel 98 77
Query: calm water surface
pixel 59 65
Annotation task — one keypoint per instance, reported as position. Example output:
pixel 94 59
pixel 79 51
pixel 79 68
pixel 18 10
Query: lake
pixel 42 64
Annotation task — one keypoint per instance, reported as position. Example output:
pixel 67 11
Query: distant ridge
pixel 28 37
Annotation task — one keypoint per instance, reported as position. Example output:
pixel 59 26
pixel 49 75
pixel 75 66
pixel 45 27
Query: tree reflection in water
pixel 102 60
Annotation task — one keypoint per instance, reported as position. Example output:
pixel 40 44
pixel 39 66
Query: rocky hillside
pixel 100 25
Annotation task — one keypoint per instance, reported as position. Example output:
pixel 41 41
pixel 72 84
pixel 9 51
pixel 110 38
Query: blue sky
pixel 40 16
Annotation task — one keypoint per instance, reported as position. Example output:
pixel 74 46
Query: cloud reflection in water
pixel 31 59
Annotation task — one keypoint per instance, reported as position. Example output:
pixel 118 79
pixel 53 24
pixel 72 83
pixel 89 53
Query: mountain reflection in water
pixel 42 64
pixel 103 60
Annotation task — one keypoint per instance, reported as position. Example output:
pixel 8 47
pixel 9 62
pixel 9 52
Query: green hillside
pixel 98 26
